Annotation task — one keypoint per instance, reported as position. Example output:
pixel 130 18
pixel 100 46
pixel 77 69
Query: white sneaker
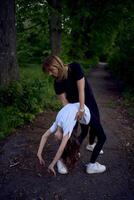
pixel 90 147
pixel 95 168
pixel 61 167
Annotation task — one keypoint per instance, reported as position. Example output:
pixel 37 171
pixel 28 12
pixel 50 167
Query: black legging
pixel 95 130
pixel 95 114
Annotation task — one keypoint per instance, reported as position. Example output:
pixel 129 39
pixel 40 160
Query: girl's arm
pixel 41 146
pixel 59 153
pixel 81 91
pixel 62 98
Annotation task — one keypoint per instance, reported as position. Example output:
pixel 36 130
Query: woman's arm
pixel 59 153
pixel 81 91
pixel 63 99
pixel 41 146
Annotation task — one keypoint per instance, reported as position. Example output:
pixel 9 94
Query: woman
pixel 71 86
pixel 62 128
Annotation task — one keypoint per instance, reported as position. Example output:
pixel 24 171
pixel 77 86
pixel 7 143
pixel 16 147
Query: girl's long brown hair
pixel 71 152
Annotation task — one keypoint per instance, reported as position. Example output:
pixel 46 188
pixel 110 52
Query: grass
pixel 23 100
pixel 128 101
pixel 31 72
pixel 34 72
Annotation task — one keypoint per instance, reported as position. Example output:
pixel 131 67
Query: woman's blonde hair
pixel 55 61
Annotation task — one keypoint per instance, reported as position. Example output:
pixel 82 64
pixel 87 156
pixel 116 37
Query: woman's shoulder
pixel 76 70
pixel 74 64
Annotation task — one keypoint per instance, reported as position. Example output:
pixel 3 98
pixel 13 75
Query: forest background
pixel 85 31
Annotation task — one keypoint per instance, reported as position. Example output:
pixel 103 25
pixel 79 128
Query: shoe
pixel 61 167
pixel 95 168
pixel 90 147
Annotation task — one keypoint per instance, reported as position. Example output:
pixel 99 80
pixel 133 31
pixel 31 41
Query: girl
pixel 62 129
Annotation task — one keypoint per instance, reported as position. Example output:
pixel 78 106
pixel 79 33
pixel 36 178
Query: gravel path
pixel 21 177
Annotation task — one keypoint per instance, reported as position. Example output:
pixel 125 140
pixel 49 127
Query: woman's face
pixel 53 71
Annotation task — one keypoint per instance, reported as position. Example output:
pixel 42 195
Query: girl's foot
pixel 61 167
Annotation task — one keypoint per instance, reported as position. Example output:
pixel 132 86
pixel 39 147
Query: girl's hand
pixel 42 162
pixel 51 169
pixel 79 115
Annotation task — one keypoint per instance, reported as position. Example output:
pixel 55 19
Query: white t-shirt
pixel 66 118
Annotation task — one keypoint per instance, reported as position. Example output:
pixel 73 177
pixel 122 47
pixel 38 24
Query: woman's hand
pixel 42 162
pixel 51 169
pixel 79 115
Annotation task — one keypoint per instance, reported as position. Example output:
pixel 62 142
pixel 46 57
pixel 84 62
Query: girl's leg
pixel 85 129
pixel 84 132
pixel 93 166
pixel 60 163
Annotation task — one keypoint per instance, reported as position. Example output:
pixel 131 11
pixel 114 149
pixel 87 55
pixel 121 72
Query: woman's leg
pixel 101 138
pixel 92 136
pixel 92 132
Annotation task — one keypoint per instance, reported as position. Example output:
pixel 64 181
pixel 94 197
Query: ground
pixel 22 178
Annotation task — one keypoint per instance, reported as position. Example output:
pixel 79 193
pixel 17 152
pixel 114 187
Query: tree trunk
pixel 8 62
pixel 55 27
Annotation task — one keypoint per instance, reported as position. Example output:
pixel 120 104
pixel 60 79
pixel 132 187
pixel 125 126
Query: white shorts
pixel 66 118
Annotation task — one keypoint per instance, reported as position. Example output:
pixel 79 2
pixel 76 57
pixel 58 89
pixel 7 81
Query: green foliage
pixel 91 31
pixel 128 96
pixel 21 101
pixel 128 101
pixel 120 59
pixel 32 30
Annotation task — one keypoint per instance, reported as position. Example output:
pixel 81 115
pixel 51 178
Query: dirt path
pixel 21 177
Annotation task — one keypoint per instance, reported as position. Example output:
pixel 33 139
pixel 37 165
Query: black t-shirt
pixel 69 86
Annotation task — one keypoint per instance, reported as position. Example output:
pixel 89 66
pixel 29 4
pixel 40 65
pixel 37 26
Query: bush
pixel 21 101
